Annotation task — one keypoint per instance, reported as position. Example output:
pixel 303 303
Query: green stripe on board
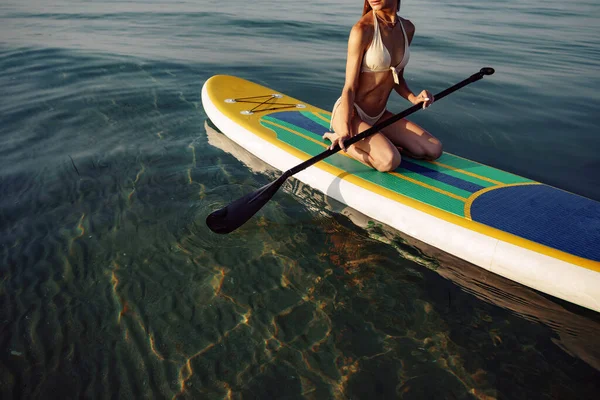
pixel 384 180
pixel 316 119
pixel 453 173
pixel 327 116
pixel 480 169
pixel 413 190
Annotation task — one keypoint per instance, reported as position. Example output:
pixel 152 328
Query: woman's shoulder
pixel 363 29
pixel 365 24
pixel 409 27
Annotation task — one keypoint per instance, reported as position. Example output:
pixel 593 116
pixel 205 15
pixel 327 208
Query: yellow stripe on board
pixel 462 171
pixel 475 195
pixel 322 117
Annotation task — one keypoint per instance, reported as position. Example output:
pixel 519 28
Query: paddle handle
pixel 376 128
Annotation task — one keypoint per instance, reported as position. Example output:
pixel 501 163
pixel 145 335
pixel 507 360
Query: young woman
pixel 377 54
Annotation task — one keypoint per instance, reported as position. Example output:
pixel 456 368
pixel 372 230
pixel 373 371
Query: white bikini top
pixel 377 57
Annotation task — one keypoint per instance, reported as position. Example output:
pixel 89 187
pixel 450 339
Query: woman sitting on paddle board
pixel 377 54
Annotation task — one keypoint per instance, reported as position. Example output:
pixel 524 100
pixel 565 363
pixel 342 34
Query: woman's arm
pixel 402 87
pixel 357 43
pixel 403 90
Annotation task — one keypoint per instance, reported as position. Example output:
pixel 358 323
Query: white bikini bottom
pixel 363 115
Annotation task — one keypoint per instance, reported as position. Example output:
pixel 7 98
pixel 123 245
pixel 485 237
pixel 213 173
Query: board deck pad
pixel 498 199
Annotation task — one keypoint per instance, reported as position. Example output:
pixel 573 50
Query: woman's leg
pixel 415 141
pixel 376 150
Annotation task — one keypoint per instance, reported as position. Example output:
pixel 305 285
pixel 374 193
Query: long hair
pixel 368 8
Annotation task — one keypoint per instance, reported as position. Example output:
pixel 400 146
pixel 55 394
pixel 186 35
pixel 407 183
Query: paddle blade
pixel 231 217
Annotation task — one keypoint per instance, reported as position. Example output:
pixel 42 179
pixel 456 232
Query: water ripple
pixel 111 285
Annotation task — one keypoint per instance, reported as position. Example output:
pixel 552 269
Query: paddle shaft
pixel 387 122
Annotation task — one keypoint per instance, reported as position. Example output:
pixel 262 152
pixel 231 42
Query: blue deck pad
pixel 440 176
pixel 545 215
pixel 301 121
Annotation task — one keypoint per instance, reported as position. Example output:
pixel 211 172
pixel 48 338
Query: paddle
pixel 231 217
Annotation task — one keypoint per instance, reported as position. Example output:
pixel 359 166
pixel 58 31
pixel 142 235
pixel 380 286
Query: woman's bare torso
pixel 374 88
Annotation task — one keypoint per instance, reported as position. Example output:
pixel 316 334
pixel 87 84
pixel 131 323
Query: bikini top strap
pixel 404 32
pixel 375 24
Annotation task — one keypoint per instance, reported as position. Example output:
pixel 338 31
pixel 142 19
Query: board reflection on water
pixel 575 333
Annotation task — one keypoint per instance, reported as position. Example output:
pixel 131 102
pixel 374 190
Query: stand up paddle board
pixel 531 233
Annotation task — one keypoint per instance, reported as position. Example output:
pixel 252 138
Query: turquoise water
pixel 111 285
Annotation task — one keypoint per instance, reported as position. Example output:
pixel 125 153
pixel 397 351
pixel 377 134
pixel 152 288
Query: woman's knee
pixel 388 161
pixel 434 149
